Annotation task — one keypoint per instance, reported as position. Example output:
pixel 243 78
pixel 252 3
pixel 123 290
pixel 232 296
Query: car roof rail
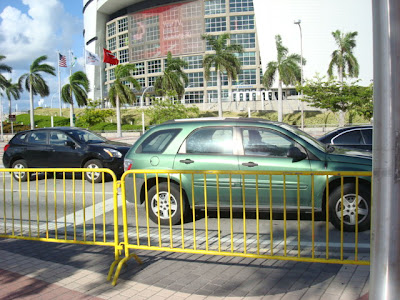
pixel 240 119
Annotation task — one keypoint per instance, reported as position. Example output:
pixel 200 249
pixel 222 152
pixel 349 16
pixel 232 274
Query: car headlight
pixel 113 152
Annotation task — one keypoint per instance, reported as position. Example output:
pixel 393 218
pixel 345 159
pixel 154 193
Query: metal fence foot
pixel 120 263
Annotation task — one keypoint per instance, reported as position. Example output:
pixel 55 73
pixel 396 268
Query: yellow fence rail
pixel 59 205
pixel 267 215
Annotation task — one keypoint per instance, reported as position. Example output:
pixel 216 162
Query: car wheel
pixel 349 207
pixel 93 164
pixel 165 203
pixel 19 165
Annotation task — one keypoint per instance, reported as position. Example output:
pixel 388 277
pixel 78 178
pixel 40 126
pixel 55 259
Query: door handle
pixel 250 164
pixel 186 161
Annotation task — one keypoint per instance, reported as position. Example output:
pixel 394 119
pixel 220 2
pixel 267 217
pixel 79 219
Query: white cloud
pixel 45 28
pixel 42 30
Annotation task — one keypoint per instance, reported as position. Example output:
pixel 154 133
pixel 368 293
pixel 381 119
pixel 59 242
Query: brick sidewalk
pixel 37 269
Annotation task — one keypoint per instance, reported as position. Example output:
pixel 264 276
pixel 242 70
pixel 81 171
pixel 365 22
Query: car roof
pixel 52 128
pixel 337 131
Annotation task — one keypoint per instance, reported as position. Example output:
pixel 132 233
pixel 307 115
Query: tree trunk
pixel 341 112
pixel 280 102
pixel 71 114
pixel 219 93
pixel 117 107
pixel 31 112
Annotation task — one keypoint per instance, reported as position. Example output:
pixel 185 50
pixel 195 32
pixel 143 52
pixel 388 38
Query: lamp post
pixel 298 22
pixel 142 98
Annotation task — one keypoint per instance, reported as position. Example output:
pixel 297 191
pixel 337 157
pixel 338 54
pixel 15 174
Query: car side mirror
pixel 296 154
pixel 69 144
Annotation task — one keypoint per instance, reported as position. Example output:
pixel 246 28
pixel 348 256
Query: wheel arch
pixel 336 182
pixel 152 182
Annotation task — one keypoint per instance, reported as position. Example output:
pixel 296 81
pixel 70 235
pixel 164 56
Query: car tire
pixel 93 164
pixel 20 164
pixel 164 204
pixel 349 207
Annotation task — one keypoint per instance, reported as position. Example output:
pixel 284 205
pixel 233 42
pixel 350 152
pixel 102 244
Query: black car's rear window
pixel 19 138
pixel 158 141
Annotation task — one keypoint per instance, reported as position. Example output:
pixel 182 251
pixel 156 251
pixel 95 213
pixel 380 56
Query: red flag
pixel 109 57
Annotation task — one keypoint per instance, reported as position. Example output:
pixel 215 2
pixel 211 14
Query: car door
pixel 37 150
pixel 62 155
pixel 210 148
pixel 269 150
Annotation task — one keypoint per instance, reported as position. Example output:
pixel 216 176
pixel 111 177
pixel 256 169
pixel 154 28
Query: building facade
pixel 142 32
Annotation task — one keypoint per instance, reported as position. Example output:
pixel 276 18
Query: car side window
pixel 210 140
pixel 158 141
pixel 265 142
pixel 37 137
pixel 58 138
pixel 367 134
pixel 352 137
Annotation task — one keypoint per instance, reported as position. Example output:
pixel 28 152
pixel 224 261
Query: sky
pixel 32 28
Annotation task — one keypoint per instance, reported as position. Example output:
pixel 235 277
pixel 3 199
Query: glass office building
pixel 143 32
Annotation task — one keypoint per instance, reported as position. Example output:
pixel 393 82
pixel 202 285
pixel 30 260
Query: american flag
pixel 62 60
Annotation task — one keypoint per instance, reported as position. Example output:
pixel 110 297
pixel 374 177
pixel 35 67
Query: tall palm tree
pixel 12 90
pixel 77 88
pixel 34 82
pixel 119 93
pixel 223 60
pixel 3 68
pixel 344 60
pixel 174 78
pixel 286 67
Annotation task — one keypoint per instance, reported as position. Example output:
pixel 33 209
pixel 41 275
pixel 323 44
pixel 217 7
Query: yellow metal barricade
pixel 59 205
pixel 222 217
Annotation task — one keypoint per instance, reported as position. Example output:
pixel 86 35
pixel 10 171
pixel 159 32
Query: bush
pixel 42 121
pixel 16 127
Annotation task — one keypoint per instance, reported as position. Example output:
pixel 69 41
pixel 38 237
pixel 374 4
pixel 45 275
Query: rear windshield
pixel 158 141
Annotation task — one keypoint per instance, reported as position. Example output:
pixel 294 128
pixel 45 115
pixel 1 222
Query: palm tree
pixel 286 67
pixel 344 60
pixel 120 93
pixel 174 78
pixel 3 68
pixel 224 59
pixel 34 82
pixel 77 88
pixel 12 90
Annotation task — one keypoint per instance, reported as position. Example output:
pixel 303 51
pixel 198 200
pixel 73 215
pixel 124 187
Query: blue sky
pixel 32 28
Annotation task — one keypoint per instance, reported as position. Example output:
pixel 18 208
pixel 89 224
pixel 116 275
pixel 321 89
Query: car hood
pixel 351 156
pixel 121 147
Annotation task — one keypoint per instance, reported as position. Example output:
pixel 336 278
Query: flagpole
pixel 71 115
pixel 59 80
pixel 101 81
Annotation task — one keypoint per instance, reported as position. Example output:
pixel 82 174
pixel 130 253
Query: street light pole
pixel 298 22
pixel 142 98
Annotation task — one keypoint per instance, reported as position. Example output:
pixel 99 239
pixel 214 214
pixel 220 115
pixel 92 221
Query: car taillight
pixel 6 147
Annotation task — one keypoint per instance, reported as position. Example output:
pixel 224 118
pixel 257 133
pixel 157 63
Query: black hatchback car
pixel 63 147
pixel 359 137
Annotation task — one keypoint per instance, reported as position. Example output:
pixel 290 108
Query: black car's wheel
pixel 93 176
pixel 18 174
pixel 350 204
pixel 164 204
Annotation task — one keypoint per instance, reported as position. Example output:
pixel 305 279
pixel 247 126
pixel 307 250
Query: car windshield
pixel 305 136
pixel 86 137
